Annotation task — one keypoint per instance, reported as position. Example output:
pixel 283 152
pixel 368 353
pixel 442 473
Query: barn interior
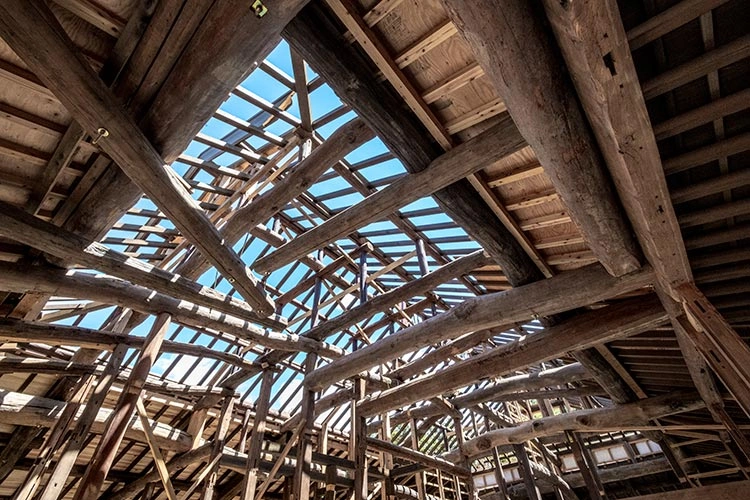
pixel 374 249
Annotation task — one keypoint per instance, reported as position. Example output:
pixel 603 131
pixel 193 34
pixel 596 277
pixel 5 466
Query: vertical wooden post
pixel 467 463
pixel 423 268
pixel 587 466
pixel 305 448
pixel 363 276
pixel 415 446
pixel 330 482
pixel 386 490
pixel 526 473
pixel 256 438
pixel 225 419
pixel 359 439
pixel 499 476
pixel 103 458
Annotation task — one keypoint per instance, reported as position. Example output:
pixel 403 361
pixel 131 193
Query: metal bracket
pixel 260 9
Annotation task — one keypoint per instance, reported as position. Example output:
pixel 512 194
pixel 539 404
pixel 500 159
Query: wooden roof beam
pixel 315 36
pixel 297 180
pixel 481 151
pixel 558 294
pixel 18 225
pixel 33 32
pixel 53 281
pixel 583 331
pixel 519 57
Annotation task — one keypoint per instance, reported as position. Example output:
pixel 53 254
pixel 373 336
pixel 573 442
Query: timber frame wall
pixel 509 259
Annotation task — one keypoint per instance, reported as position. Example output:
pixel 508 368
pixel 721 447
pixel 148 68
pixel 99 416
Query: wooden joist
pixel 561 293
pixel 315 36
pixel 585 330
pixel 47 279
pixel 384 301
pixel 297 180
pixel 33 32
pixel 18 225
pixel 417 457
pixel 510 42
pixel 479 152
pixel 583 420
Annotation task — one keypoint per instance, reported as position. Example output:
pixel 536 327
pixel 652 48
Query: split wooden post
pixel 104 457
pixel 499 475
pixel 160 464
pixel 415 446
pixel 587 466
pixel 256 438
pixel 359 441
pixel 527 473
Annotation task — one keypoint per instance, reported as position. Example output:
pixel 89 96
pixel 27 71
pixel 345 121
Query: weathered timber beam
pixel 26 410
pixel 229 43
pixel 601 65
pixel 46 279
pixel 382 302
pixel 478 152
pixel 18 225
pixel 33 32
pixel 14 330
pixel 511 43
pixel 297 180
pixel 593 420
pixel 724 491
pixel 418 457
pixel 630 317
pixel 314 35
pixel 558 294
pixel 52 366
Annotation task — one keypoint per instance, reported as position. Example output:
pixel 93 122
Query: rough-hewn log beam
pixel 418 457
pixel 561 293
pixel 382 302
pixel 479 152
pixel 518 55
pixel 601 65
pixel 33 32
pixel 315 36
pixel 594 420
pixel 297 180
pixel 50 280
pixel 584 330
pixel 18 225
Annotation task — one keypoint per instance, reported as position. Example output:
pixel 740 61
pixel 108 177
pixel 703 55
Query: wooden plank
pixel 511 44
pixel 16 224
pixel 314 36
pixel 582 420
pixel 256 437
pixel 560 293
pixel 114 291
pixel 491 145
pixel 297 180
pixel 29 26
pixel 580 332
pixel 622 128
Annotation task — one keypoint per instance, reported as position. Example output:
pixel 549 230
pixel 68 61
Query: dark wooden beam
pixel 561 293
pixel 519 57
pixel 315 36
pixel 33 32
pixel 495 143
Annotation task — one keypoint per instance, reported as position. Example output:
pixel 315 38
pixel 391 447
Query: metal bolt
pixel 103 132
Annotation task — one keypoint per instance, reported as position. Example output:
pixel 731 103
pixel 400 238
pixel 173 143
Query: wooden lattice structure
pixel 428 249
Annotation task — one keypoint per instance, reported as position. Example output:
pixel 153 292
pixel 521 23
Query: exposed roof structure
pixel 423 249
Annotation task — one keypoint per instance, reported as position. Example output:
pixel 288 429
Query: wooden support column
pixel 217 450
pixel 527 474
pixel 499 475
pixel 359 442
pixel 415 446
pixel 386 488
pixel 28 26
pixel 92 482
pixel 519 57
pixel 588 467
pixel 256 438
